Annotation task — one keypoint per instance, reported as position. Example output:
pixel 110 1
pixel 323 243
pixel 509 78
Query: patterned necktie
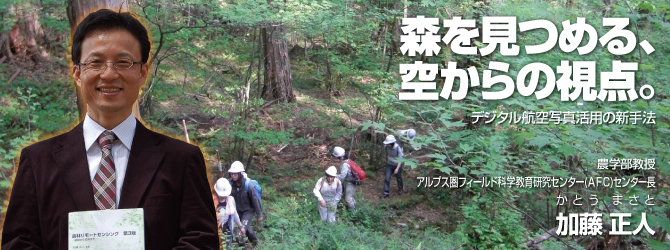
pixel 104 182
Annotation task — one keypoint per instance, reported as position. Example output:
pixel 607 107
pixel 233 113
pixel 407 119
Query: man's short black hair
pixel 105 19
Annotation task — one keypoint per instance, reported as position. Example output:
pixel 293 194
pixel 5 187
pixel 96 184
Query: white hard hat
pixel 222 187
pixel 338 152
pixel 410 133
pixel 389 139
pixel 331 171
pixel 236 167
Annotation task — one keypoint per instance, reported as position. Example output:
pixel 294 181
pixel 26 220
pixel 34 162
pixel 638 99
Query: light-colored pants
pixel 328 213
pixel 227 232
pixel 349 191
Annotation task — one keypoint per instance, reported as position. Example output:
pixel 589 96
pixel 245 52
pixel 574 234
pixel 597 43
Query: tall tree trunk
pixel 261 37
pixel 278 82
pixel 5 51
pixel 25 36
pixel 77 10
pixel 247 87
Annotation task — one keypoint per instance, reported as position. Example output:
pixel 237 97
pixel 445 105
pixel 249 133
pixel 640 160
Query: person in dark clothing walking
pixel 248 203
pixel 393 153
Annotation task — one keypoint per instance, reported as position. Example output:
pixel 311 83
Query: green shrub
pixel 490 224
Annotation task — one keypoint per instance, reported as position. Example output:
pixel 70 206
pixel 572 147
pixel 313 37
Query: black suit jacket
pixel 165 176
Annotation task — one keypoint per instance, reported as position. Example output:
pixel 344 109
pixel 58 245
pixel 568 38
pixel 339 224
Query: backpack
pixel 357 172
pixel 323 182
pixel 257 185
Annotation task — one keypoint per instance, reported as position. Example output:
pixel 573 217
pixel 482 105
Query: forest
pixel 277 84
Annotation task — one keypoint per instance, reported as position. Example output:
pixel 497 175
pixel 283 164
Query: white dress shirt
pixel 120 149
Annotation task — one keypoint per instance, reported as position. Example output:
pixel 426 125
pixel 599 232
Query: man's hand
pixel 397 168
pixel 242 231
pixel 323 203
pixel 260 219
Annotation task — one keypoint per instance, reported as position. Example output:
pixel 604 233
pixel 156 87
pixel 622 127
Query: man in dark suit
pixel 110 160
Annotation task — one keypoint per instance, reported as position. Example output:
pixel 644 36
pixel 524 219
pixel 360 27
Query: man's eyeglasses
pixel 100 65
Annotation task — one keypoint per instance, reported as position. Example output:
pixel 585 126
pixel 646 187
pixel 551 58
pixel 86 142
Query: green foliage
pixel 495 229
pixel 553 244
pixel 293 223
pixel 30 111
pixel 367 215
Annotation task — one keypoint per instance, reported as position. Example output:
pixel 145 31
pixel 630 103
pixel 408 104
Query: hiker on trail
pixel 248 202
pixel 393 153
pixel 226 211
pixel 345 177
pixel 328 190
